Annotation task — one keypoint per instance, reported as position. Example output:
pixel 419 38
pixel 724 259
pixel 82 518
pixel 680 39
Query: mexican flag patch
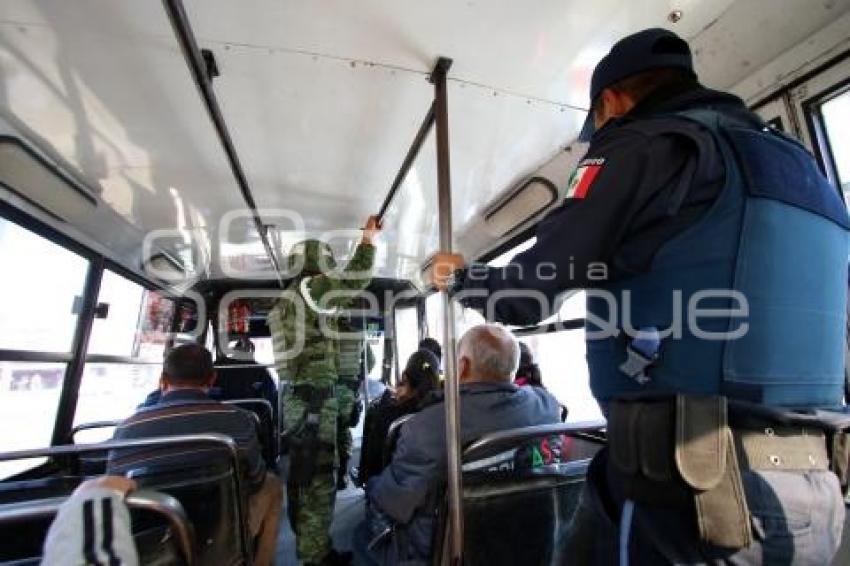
pixel 583 177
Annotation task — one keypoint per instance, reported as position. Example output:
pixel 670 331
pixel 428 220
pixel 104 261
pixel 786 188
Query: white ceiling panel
pixel 323 97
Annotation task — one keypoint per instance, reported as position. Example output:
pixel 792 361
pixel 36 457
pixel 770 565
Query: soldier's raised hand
pixel 372 227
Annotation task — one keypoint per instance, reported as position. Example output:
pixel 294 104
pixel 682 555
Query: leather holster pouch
pixel 303 455
pixel 679 451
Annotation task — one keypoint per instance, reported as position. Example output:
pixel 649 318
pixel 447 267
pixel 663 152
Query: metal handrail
pixel 210 438
pixel 500 440
pixel 391 435
pixel 253 400
pixel 154 501
pixel 91 426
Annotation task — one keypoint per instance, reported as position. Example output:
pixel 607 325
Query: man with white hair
pixel 407 491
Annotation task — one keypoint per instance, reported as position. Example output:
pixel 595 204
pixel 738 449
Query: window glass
pixel 406 333
pixel 113 391
pixel 29 399
pixel 466 319
pixel 375 340
pixel 561 357
pixel 836 116
pixel 434 317
pixel 263 350
pixel 137 321
pixel 41 283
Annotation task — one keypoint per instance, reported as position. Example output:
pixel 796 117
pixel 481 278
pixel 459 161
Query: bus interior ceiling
pixel 322 101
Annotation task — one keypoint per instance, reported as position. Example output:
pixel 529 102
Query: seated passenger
pixel 419 379
pixel 185 408
pixel 528 372
pixel 243 378
pixel 432 346
pixel 408 491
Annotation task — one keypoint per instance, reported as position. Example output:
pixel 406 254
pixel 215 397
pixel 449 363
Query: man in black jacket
pixel 714 255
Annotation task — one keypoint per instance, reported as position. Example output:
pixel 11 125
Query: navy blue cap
pixel 653 48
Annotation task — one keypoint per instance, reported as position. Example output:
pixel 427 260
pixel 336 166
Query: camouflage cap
pixel 311 257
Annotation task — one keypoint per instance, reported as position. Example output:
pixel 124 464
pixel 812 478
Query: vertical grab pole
pixel 452 404
pixel 364 359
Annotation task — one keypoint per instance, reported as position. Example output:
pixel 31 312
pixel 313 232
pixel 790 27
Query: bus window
pixel 836 116
pixel 136 327
pixel 406 333
pixel 41 285
pixel 434 316
pixel 136 323
pixel 561 357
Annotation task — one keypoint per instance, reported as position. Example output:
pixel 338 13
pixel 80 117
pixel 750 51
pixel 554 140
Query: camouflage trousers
pixel 311 504
pixel 346 399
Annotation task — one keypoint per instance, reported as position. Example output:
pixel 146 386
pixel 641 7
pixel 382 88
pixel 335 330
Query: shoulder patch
pixel 583 177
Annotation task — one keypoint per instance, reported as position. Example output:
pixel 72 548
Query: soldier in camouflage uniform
pixel 352 372
pixel 304 336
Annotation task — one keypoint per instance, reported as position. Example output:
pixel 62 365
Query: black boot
pixel 334 558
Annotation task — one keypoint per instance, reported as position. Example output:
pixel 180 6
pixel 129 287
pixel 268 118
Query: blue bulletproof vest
pixel 771 253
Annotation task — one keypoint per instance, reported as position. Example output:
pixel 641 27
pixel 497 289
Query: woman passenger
pixel 419 379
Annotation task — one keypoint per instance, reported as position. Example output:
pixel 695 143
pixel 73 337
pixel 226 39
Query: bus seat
pixel 93 464
pixel 168 538
pixel 513 512
pixel 207 490
pixel 245 381
pixel 14 491
pixel 266 427
pixel 393 433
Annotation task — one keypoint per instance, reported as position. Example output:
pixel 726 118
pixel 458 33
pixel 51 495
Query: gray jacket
pixel 407 490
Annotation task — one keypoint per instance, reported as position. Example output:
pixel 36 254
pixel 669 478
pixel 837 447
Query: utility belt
pixel 352 383
pixel 313 395
pixel 682 451
pixel 304 441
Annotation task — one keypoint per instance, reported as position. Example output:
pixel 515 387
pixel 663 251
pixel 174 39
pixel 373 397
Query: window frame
pixel 77 356
pixel 821 144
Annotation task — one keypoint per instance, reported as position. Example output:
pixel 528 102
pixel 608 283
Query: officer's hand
pixel 372 227
pixel 441 267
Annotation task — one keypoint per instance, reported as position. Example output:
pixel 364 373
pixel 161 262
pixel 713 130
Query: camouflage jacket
pixel 303 322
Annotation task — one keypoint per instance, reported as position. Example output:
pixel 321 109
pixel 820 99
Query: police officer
pixel 714 255
pixel 355 361
pixel 303 324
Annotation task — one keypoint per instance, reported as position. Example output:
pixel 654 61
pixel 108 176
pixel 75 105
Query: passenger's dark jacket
pixel 379 416
pixel 407 490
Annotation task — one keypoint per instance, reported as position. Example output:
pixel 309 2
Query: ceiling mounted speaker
pixel 521 205
pixel 35 180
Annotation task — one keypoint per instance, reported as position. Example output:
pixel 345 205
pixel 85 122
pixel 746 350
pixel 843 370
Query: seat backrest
pixel 208 487
pixel 208 494
pixel 166 538
pixel 515 505
pixel 244 381
pixel 393 433
pixel 266 427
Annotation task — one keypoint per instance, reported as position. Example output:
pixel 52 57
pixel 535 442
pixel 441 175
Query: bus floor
pixel 348 513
